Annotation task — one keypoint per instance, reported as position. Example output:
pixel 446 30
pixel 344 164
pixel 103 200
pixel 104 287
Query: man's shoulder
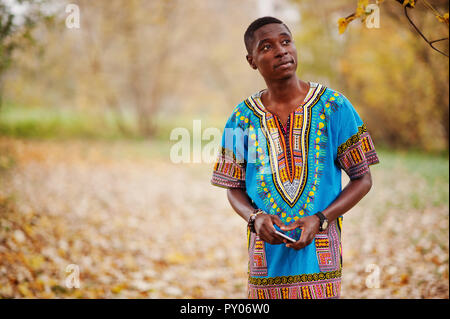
pixel 245 107
pixel 334 95
pixel 333 102
pixel 326 93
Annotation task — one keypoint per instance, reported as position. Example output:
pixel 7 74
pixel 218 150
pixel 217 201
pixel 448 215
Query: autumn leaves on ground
pixel 137 226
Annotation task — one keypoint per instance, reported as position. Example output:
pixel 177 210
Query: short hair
pixel 249 34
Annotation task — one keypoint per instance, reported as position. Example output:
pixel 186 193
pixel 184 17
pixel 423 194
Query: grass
pixel 432 167
pixel 429 171
pixel 53 123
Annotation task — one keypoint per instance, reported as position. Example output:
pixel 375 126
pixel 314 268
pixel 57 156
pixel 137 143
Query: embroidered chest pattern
pixel 288 153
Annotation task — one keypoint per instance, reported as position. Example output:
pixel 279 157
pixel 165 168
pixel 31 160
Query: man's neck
pixel 287 90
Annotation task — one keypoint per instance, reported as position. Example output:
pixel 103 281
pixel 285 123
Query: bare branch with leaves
pixel 362 12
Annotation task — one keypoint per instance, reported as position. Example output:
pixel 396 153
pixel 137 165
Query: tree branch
pixel 421 34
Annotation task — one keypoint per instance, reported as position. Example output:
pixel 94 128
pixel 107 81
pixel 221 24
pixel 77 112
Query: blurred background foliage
pixel 136 69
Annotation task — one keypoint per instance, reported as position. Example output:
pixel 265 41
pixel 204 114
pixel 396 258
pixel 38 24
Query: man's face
pixel 273 52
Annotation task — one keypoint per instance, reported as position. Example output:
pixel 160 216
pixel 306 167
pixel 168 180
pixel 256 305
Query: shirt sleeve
pixel 230 165
pixel 355 151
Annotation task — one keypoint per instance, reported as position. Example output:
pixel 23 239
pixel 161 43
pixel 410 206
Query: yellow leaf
pixel 28 229
pixel 117 288
pixel 61 252
pixel 23 289
pixel 77 293
pixel 38 285
pixel 404 279
pixel 436 260
pixel 343 22
pixel 443 18
pixel 35 261
pixel 411 3
pixel 176 258
pixel 361 9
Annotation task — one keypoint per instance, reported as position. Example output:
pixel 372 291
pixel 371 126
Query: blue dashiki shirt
pixel 294 171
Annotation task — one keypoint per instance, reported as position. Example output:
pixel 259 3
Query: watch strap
pixel 322 218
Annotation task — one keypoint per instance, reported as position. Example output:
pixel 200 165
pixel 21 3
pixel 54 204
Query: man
pixel 282 153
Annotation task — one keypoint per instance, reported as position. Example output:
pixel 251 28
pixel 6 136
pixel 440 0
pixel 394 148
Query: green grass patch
pixel 63 123
pixel 430 166
pixel 427 175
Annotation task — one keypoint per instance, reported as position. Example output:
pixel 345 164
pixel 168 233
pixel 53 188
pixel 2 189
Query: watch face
pixel 325 224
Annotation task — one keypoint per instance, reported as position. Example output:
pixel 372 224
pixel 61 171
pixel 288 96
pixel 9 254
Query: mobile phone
pixel 285 236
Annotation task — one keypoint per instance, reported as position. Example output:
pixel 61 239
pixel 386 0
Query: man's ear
pixel 250 61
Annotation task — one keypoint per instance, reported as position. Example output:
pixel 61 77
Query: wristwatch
pixel 251 220
pixel 323 221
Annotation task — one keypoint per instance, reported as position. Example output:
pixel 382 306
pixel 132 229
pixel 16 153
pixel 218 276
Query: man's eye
pixel 286 41
pixel 266 47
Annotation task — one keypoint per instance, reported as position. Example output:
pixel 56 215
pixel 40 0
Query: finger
pixel 277 221
pixel 297 245
pixel 277 241
pixel 272 236
pixel 292 226
pixel 308 235
pixel 304 240
pixel 300 244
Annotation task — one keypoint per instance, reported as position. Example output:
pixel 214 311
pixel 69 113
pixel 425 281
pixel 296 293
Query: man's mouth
pixel 284 64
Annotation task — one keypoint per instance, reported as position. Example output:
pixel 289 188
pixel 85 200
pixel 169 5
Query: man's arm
pixel 353 192
pixel 241 203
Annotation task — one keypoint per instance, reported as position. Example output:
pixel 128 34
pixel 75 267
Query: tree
pixel 16 30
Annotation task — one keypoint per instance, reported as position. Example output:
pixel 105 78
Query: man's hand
pixel 265 230
pixel 309 226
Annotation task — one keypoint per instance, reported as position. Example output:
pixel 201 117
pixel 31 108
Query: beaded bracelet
pixel 251 220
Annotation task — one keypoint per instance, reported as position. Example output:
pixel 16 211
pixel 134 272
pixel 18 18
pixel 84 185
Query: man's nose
pixel 280 51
